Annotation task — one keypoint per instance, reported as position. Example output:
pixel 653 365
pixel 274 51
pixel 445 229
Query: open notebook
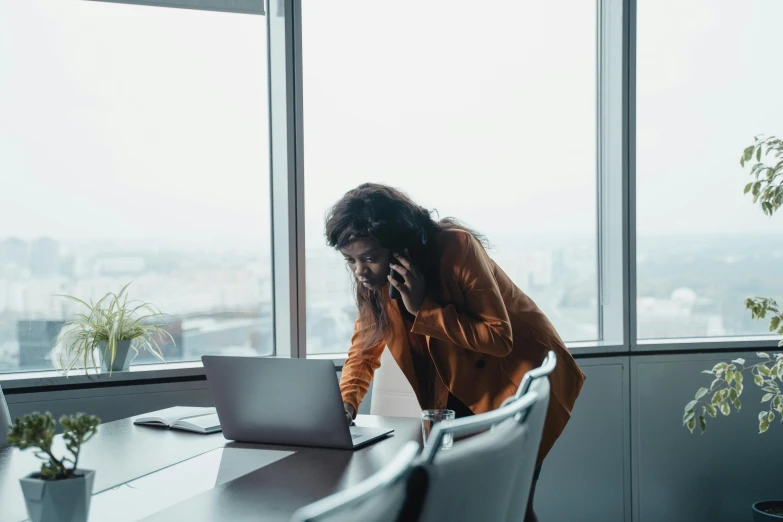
pixel 198 420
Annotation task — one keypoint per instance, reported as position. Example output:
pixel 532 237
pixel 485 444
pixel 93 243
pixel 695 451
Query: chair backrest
pixel 536 416
pixel 474 479
pixel 5 421
pixel 547 367
pixel 379 498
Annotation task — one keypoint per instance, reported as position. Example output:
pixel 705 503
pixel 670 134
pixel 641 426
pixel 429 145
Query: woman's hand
pixel 413 290
pixel 349 413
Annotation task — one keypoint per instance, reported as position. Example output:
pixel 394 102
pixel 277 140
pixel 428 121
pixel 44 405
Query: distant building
pixel 45 257
pixel 683 315
pixel 119 265
pixel 36 340
pixel 13 252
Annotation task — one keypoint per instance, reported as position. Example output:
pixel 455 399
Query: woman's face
pixel 368 261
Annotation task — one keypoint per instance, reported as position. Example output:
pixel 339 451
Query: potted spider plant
pixel 114 327
pixel 60 491
pixel 727 385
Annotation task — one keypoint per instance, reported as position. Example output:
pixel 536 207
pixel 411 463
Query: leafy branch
pixel 760 307
pixel 767 189
pixel 727 387
pixel 37 431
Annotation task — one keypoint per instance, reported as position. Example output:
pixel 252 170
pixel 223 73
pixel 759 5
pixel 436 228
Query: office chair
pixel 538 386
pixel 380 498
pixel 477 477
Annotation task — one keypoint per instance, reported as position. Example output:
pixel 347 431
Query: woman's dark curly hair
pixel 396 222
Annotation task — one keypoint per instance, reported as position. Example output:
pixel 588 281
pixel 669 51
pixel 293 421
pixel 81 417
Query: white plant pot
pixel 122 357
pixel 66 500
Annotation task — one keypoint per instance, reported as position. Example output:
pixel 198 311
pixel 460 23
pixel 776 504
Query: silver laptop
pixel 293 402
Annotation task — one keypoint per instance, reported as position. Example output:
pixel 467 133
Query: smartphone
pixel 393 292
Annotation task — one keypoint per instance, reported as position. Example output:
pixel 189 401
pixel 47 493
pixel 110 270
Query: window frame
pixel 615 219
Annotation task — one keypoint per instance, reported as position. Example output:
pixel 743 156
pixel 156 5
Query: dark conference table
pixel 154 474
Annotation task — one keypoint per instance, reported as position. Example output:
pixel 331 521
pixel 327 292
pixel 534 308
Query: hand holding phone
pixel 411 282
pixel 393 292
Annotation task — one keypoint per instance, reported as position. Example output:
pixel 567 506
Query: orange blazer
pixel 483 334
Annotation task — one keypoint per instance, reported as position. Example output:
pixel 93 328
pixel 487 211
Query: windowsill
pixel 758 342
pixel 143 372
pixel 45 378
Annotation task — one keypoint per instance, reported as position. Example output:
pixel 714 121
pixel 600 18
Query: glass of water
pixel 429 418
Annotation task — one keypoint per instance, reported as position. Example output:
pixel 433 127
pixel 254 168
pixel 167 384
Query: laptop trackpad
pixel 362 434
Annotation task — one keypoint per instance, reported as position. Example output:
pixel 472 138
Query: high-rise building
pixel 13 252
pixel 44 257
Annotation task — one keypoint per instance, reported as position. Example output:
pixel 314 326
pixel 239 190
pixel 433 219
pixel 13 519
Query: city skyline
pixel 227 309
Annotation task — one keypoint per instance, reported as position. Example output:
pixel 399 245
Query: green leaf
pixel 762 415
pixel 771 416
pixel 714 383
pixel 767 397
pixel 717 397
pixel 758 154
pixel 691 425
pixel 690 405
pixel 747 154
pixel 701 393
pixel 737 404
pixel 720 366
pixel 762 355
pixel 707 371
pixel 738 378
pixel 712 411
pixel 739 361
pixel 763 370
pixel 774 323
pixel 763 425
pixel 758 380
pixel 702 423
pixel 733 394
pixel 748 187
pixel 688 416
pixel 729 376
pixel 724 409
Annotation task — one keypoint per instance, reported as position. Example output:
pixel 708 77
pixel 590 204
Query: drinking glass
pixel 429 418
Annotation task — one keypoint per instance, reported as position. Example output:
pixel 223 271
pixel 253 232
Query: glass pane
pixel 133 148
pixel 484 112
pixel 707 83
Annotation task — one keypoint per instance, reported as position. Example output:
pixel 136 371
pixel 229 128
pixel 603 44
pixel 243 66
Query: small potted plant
pixel 728 377
pixel 59 492
pixel 115 328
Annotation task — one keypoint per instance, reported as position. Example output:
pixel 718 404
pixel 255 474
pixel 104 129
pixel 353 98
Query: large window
pixel 133 147
pixel 483 112
pixel 707 83
pixel 171 148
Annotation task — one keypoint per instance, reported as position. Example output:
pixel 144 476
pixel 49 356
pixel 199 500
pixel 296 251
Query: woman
pixel 460 330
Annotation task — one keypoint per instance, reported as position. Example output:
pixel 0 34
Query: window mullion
pixel 287 179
